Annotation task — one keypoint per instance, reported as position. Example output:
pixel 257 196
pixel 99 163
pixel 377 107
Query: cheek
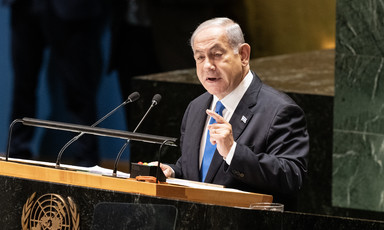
pixel 198 66
pixel 199 69
pixel 199 75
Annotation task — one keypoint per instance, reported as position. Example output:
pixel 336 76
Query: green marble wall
pixel 358 149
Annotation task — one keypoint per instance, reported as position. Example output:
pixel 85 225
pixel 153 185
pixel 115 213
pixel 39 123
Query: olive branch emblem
pixel 27 211
pixel 50 211
pixel 75 217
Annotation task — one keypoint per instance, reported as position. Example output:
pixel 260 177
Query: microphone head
pixel 156 99
pixel 133 97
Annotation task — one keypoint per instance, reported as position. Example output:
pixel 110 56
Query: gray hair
pixel 234 33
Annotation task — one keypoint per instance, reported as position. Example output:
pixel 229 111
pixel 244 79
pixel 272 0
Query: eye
pixel 199 58
pixel 218 54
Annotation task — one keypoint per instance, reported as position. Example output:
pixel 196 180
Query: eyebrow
pixel 216 46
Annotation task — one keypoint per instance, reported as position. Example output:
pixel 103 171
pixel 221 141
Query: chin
pixel 214 90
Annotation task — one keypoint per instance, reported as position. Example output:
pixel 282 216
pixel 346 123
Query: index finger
pixel 217 117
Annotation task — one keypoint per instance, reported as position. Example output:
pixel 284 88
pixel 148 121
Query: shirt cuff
pixel 229 157
pixel 173 173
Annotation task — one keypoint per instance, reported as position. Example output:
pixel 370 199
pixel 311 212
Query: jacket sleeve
pixel 281 164
pixel 178 166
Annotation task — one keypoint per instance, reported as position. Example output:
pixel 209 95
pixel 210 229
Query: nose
pixel 209 64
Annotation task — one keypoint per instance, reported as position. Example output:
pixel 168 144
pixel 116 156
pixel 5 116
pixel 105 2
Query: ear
pixel 245 52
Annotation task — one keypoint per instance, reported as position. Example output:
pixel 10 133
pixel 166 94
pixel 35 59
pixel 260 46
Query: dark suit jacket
pixel 272 145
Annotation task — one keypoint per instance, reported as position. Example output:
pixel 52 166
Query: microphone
pixel 155 100
pixel 131 98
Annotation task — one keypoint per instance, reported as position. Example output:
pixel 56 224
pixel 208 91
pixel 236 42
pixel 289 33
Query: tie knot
pixel 219 108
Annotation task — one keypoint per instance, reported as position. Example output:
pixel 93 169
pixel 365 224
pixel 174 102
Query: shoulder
pixel 201 100
pixel 274 104
pixel 259 92
pixel 198 105
pixel 274 97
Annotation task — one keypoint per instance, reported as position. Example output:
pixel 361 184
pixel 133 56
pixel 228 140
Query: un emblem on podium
pixel 50 211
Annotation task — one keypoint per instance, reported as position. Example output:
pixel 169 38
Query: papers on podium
pixel 108 172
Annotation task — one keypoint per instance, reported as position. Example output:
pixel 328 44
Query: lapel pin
pixel 244 119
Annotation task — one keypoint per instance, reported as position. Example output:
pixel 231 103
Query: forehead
pixel 209 38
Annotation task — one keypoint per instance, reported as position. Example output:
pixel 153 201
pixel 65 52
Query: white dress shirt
pixel 230 102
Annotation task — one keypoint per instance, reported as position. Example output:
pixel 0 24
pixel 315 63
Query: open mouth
pixel 212 79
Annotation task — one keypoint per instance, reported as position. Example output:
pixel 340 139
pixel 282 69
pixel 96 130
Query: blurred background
pixel 143 37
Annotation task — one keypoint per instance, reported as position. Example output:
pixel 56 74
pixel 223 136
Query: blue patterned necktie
pixel 209 148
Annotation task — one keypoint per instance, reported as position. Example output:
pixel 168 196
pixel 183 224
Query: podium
pixel 215 195
pixel 42 195
pixel 23 183
pixel 25 190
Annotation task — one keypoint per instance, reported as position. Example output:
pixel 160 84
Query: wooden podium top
pixel 210 195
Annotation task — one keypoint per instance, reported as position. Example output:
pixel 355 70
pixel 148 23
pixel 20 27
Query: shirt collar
pixel 232 99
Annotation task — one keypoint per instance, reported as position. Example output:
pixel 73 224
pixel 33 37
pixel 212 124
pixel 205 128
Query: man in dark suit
pixel 260 141
pixel 72 31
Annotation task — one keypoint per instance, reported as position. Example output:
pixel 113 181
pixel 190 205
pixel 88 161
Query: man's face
pixel 219 68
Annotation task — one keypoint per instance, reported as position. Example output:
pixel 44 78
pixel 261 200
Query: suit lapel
pixel 244 110
pixel 239 120
pixel 199 120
